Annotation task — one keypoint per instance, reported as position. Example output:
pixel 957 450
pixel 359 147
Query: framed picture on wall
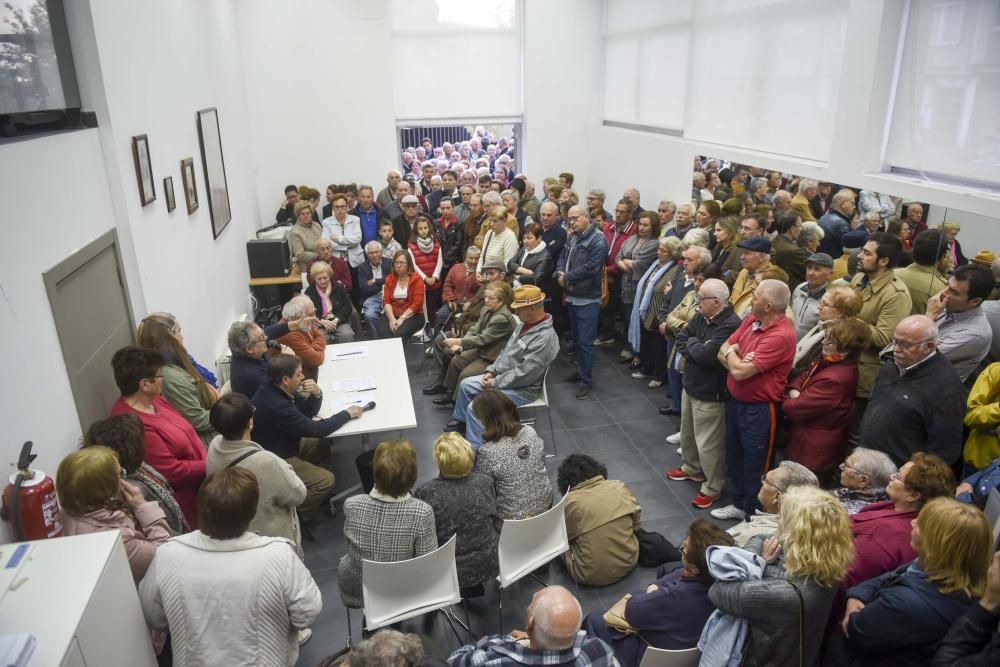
pixel 143 169
pixel 187 180
pixel 168 192
pixel 210 140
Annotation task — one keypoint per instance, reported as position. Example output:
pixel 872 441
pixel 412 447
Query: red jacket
pixel 615 240
pixel 341 271
pixel 821 415
pixel 460 285
pixel 414 300
pixel 428 263
pixel 309 346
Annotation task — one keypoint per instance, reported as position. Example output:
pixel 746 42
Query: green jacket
pixel 923 283
pixel 791 258
pixel 884 302
pixel 181 391
pixel 490 333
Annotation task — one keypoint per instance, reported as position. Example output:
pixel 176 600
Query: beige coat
pixel 923 282
pixel 602 516
pixel 884 302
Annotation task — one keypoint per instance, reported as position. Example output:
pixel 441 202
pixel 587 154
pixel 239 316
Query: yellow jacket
pixel 884 302
pixel 982 417
pixel 602 516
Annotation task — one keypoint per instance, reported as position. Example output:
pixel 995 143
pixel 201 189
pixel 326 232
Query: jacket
pixel 280 420
pixel 247 374
pixel 309 346
pixel 524 359
pixel 280 489
pixel 140 543
pixel 881 542
pixel 834 225
pixel 302 242
pixel 555 240
pixel 581 262
pixel 745 283
pixel 173 450
pixel 460 285
pixel 904 619
pixel 920 411
pixel 490 332
pixel 348 238
pixel 427 264
pixel 972 641
pixel 802 206
pixel 805 307
pixel 602 516
pixel 539 263
pixel 922 282
pixel 699 343
pixel 452 238
pixel 520 482
pixel 884 302
pixel 983 415
pixel 791 258
pixel 414 301
pixel 724 634
pixel 341 271
pixel 365 273
pixel 467 508
pixel 340 302
pixel 643 254
pixel 401 229
pixel 181 391
pixel 616 237
pixel 261 595
pixel 385 530
pixel 821 414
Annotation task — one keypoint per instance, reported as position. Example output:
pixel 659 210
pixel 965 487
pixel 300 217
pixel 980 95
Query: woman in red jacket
pixel 425 252
pixel 403 299
pixel 173 448
pixel 819 402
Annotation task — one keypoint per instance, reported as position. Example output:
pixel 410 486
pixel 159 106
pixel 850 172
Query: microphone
pixel 370 405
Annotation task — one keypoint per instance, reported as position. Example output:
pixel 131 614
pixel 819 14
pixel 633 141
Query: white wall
pixel 319 92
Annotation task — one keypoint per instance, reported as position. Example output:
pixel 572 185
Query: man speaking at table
pixel 520 368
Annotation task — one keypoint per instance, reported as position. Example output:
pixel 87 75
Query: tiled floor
pixel 619 425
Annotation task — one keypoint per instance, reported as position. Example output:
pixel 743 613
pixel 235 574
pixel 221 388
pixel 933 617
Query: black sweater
pixel 699 343
pixel 280 421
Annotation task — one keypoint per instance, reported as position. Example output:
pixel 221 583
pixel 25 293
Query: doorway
pixel 89 300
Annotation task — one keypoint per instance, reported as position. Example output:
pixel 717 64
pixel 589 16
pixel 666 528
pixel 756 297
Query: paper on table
pixel 359 352
pixel 354 384
pixel 343 402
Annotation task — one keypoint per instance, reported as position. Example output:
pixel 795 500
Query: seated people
pixel 671 612
pixel 512 455
pixel 402 299
pixel 976 487
pixel 371 278
pixel 341 269
pixel 974 638
pixel 123 434
pixel 519 370
pixel 983 419
pixel 553 637
pixel 918 401
pixel 776 484
pixel 787 608
pixel 864 475
pixel 901 616
pixel 183 385
pixel 283 423
pixel 173 448
pixel 94 498
pixel 331 304
pixel 281 490
pixel 602 517
pixel 226 595
pixel 464 505
pixel 388 647
pixel 460 287
pixel 460 357
pixel 309 345
pixel 819 402
pixel 388 524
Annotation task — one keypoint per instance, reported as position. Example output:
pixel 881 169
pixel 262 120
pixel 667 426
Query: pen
pixel 367 389
pixel 349 354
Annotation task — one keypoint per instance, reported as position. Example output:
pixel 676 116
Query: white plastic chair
pixel 226 388
pixel 993 515
pixel 543 402
pixel 397 591
pixel 659 657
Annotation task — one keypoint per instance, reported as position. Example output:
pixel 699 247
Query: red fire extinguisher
pixel 30 503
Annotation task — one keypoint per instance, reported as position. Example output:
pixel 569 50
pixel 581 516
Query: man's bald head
pixel 554 618
pixel 917 326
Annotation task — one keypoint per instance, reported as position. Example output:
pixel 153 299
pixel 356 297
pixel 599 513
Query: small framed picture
pixel 168 192
pixel 187 180
pixel 143 169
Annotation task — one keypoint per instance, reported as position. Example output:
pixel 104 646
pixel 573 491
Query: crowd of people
pixel 831 360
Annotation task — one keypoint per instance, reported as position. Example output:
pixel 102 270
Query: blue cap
pixel 756 243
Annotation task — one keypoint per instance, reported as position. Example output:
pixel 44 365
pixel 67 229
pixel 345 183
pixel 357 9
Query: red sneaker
pixel 678 475
pixel 702 501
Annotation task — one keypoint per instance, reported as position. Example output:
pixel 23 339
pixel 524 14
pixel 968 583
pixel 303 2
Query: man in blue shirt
pixel 367 213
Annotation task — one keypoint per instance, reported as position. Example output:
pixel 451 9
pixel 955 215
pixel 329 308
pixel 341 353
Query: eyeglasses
pixel 260 340
pixel 763 480
pixel 699 298
pixel 906 345
pixel 844 466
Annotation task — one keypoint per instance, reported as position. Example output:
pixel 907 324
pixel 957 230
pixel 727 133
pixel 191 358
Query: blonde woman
pixel 787 609
pixel 901 616
pixel 950 231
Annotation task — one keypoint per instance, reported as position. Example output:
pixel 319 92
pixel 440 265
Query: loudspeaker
pixel 269 258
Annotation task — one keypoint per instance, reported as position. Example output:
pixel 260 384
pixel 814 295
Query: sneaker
pixel 674 439
pixel 653 384
pixel 626 356
pixel 639 375
pixel 678 475
pixel 703 501
pixel 604 341
pixel 582 391
pixel 305 634
pixel 729 512
pixel 679 452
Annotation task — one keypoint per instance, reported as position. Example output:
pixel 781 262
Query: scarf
pixel 653 273
pixel 425 245
pixel 159 487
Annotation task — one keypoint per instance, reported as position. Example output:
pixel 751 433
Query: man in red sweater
pixel 309 345
pixel 616 233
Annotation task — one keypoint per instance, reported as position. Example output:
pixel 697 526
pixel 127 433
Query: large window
pixel 946 108
pixel 435 43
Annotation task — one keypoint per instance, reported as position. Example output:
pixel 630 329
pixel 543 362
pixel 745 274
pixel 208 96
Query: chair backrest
pixel 545 387
pixel 659 657
pixel 527 544
pixel 396 591
pixel 226 388
pixel 993 515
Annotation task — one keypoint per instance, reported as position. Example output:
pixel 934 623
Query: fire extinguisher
pixel 30 503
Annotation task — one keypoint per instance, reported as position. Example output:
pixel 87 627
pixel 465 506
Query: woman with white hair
pixel 864 474
pixel 647 344
pixel 810 235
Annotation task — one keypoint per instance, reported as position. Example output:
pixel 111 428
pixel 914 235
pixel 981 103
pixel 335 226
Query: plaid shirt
pixel 504 650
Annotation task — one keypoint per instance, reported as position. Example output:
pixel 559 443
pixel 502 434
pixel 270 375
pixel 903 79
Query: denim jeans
pixel 749 449
pixel 371 310
pixel 468 389
pixel 583 325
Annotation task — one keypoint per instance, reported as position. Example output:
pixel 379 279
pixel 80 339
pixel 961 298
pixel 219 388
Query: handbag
pixel 615 617
pixel 655 549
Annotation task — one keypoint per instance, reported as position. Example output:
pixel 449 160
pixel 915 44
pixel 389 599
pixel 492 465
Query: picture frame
pixel 216 187
pixel 168 192
pixel 190 188
pixel 143 169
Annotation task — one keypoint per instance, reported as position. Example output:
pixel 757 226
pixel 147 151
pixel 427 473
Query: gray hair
pixel 388 648
pixel 795 474
pixel 596 192
pixel 673 245
pixel 873 215
pixel 482 171
pixel 239 336
pixel 473 250
pixel 669 204
pixel 325 241
pixel 704 254
pixel 372 245
pixel 717 288
pixel 877 465
pixel 689 206
pixel 842 196
pixel 697 236
pixel 492 199
pixel 808 184
pixel 509 193
pixel 756 183
pixel 776 293
pixel 811 231
pixel 295 308
pixel 427 163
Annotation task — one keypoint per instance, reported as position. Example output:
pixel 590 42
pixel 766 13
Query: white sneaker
pixel 674 439
pixel 729 512
pixel 625 354
pixel 305 634
pixel 679 452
